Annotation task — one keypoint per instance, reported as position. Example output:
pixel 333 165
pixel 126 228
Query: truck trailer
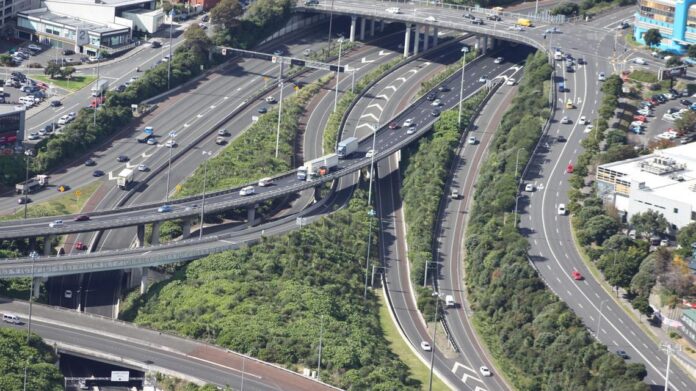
pixel 321 166
pixel 125 178
pixel 347 147
pixel 32 185
pixel 100 87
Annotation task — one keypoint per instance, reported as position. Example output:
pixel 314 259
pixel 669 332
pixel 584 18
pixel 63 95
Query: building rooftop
pixel 44 14
pixel 669 173
pixel 691 314
pixel 106 3
pixel 6 109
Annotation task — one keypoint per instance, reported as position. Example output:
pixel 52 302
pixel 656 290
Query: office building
pixel 675 20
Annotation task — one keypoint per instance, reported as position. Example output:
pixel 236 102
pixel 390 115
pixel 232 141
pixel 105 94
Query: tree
pixel 687 122
pixel 652 37
pixel 641 304
pixel 674 62
pixel 5 59
pixel 52 69
pixel 691 51
pixel 649 223
pixel 567 9
pixel 598 229
pixel 687 236
pixel 66 72
pixel 226 13
pixel 197 41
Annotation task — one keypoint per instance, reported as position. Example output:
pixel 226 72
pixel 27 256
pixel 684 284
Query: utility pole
pixel 432 354
pixel 321 335
pixel 172 135
pixel 371 213
pixel 461 86
pixel 669 349
pixel 338 73
pixel 280 109
pixel 205 178
pixel 28 153
pixel 328 52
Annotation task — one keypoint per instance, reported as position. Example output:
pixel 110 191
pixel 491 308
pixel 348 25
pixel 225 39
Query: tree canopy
pixel 652 37
pixel 42 372
pixel 226 13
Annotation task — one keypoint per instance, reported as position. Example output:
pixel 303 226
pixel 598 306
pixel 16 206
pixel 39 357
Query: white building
pixel 664 181
pixel 85 25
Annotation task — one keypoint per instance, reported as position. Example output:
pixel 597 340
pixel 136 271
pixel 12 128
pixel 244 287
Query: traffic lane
pixel 101 292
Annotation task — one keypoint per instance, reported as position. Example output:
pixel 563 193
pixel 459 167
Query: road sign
pixel 274 59
pixel 120 376
pixel 224 51
pixel 178 188
pixel 297 88
pixel 78 193
pixel 81 37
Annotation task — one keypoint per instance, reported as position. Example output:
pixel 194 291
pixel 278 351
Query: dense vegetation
pixel 334 122
pixel 269 299
pixel 251 156
pixel 42 373
pixel 424 182
pixel 539 342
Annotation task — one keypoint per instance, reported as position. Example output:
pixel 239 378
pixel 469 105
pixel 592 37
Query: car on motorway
pixel 622 354
pixel 90 162
pixel 170 144
pixel 561 209
pixel 561 138
pixel 79 245
pixel 68 293
pixel 472 140
pixel 122 158
pixel 263 182
pixel 248 190
pixel 56 224
pixel 454 194
pixel 495 18
pixel 483 79
pixel 443 88
pixel 222 132
pixel 97 173
pixel 23 200
pixel 262 110
pixel 516 27
pixel 151 141
pixel 431 19
pixel 278 52
pixel 155 44
pixel 529 187
pixel 82 218
pixel 435 113
pixel 143 167
pixel 394 10
pixel 485 371
pixel 270 99
pixel 582 120
pixel 393 125
pixel 165 209
pixel 436 103
pixel 220 140
pixel 478 21
pixel 565 120
pixel 467 15
pixel 426 346
pixel 569 68
pixel 498 60
pixel 601 76
pixel 576 274
pixel 431 97
pixel 409 122
pixel 510 81
pixel 570 168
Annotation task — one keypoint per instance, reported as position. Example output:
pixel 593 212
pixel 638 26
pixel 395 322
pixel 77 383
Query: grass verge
pixel 74 84
pixel 67 203
pixel 400 347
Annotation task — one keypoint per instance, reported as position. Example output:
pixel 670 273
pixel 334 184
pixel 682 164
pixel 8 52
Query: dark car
pixel 262 110
pixel 98 173
pixel 570 69
pixel 156 44
pixel 55 103
pixel 121 88
pixel 443 88
pixel 82 218
pixel 68 52
pixel 23 200
pixel 48 128
pixel 685 102
pixel 435 113
pixel 90 162
pixel 622 354
pixel 393 125
pixel 205 18
pixel 122 158
pixel 561 139
pixel 469 16
pixel 495 18
pixel 431 97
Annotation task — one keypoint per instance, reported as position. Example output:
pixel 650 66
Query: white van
pixel 249 190
pixel 11 318
pixel 449 301
pixel 265 182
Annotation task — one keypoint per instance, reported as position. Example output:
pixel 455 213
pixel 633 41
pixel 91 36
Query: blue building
pixel 675 19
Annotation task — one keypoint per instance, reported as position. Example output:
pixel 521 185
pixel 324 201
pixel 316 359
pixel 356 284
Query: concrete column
pixel 32 244
pixel 407 40
pixel 317 193
pixel 435 36
pixel 251 215
pixel 372 27
pixel 186 228
pixel 47 244
pixel 362 28
pixel 381 26
pixel 140 235
pixel 352 28
pixel 416 39
pixel 143 281
pixel 478 42
pixel 155 233
pixel 485 44
pixel 426 37
pixel 37 287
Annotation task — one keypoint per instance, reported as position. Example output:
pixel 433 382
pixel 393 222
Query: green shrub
pixel 43 374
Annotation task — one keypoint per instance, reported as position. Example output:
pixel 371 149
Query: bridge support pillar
pixel 155 240
pixel 426 37
pixel 416 40
pixel 317 193
pixel 434 36
pixel 186 228
pixel 485 44
pixel 140 235
pixel 37 287
pixel 381 26
pixel 407 40
pixel 353 19
pixel 251 215
pixel 362 28
pixel 143 281
pixel 32 244
pixel 372 27
pixel 47 244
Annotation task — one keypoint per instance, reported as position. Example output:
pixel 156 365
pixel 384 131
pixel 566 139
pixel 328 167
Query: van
pixel 524 22
pixel 11 318
pixel 449 301
pixel 265 182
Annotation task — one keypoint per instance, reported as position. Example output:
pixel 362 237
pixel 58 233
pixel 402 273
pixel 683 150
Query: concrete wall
pixel 95 13
pixel 150 21
pixel 642 201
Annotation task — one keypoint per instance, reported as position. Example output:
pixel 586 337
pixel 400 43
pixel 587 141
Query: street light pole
pixel 517 160
pixel 169 60
pixel 328 52
pixel 669 349
pixel 371 213
pixel 172 134
pixel 338 72
pixel 25 189
pixel 461 87
pixel 280 110
pixel 98 61
pixel 205 178
pixel 432 353
pixel 33 256
pixel 321 335
pixel 352 83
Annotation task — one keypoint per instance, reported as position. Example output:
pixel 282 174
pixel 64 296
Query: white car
pixel 582 120
pixel 263 182
pixel 565 120
pixel 270 99
pixel 516 28
pixel 142 167
pixel 510 81
pixel 151 141
pixel 431 19
pixel 68 294
pixel 56 224
pixel 562 209
pixel 601 76
pixel 65 119
pixel 426 346
pixel 639 61
pixel 588 128
pixel 472 140
pixel 645 111
pixel 394 10
pixel 483 79
pixel 411 130
pixel 33 136
pixel 408 123
pixel 485 371
pixel 170 144
pixel 370 153
pixel 498 60
pixel 34 47
pixel 436 102
pixel 529 187
pixel 249 190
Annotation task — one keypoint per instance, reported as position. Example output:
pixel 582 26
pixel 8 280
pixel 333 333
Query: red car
pixel 641 118
pixel 82 218
pixel 570 168
pixel 393 125
pixel 80 246
pixel 576 275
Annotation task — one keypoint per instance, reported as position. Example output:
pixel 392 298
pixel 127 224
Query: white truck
pixel 99 88
pixel 125 178
pixel 347 147
pixel 320 166
pixel 33 184
pixel 558 55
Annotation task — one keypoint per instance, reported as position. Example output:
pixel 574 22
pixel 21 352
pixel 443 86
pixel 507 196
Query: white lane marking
pixel 375 105
pixel 371 116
